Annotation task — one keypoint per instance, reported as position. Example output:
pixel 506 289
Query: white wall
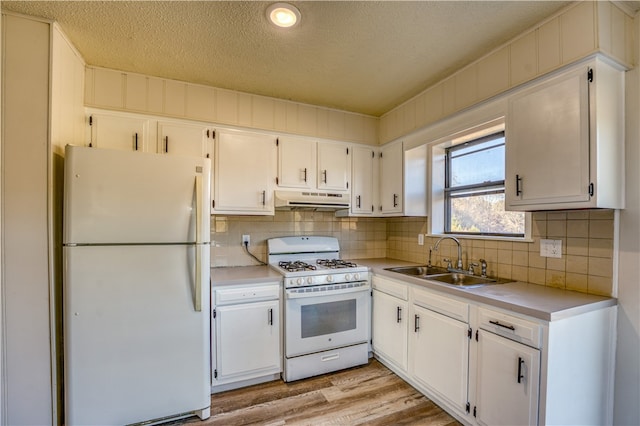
pixel 25 279
pixel 627 387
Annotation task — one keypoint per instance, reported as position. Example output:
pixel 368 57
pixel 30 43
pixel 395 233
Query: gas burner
pixel 296 266
pixel 335 263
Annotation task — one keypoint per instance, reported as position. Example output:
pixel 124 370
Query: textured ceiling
pixel 360 56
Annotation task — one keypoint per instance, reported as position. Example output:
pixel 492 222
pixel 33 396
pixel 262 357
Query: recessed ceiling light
pixel 283 14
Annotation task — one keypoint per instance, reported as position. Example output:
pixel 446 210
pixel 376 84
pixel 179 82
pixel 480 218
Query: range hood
pixel 311 200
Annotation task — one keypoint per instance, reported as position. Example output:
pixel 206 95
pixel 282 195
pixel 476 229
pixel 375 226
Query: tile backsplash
pixel 586 264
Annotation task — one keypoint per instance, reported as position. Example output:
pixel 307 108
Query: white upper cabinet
pixel 308 164
pixel 184 139
pixel 296 162
pixel 127 133
pixel 334 166
pixel 364 190
pixel 244 173
pixel 391 174
pixel 564 141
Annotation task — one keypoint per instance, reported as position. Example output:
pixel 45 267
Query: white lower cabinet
pixel 439 352
pixel 508 376
pixel 245 336
pixel 389 328
pixel 489 366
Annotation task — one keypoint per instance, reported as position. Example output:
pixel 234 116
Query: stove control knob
pixel 310 280
pixel 347 277
pixel 356 277
pixel 329 278
pixel 299 281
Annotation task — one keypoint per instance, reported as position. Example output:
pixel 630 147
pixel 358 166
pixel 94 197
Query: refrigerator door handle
pixel 198 289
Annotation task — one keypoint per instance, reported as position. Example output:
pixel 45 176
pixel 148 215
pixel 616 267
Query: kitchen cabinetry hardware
pixel 399 314
pixel 395 200
pixel 324 176
pixel 591 189
pixel 136 141
pixel 270 316
pixel 590 75
pixel 358 201
pixel 468 407
pixel 166 144
pixel 518 190
pixel 499 324
pixel 469 333
pixel 416 323
pixel 520 376
pixel 305 174
pixel 264 197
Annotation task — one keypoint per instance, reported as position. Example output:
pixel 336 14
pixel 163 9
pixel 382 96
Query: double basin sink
pixel 443 275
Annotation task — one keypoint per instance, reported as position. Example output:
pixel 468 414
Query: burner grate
pixel 335 263
pixel 296 266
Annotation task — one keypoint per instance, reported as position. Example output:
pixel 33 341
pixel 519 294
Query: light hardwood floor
pixel 367 395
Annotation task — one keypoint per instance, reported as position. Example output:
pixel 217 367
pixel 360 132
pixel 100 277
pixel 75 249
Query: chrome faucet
pixel 459 262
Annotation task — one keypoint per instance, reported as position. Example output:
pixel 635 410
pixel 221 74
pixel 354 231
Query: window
pixel 474 190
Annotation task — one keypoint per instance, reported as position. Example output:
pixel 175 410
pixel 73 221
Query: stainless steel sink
pixel 418 271
pixel 462 280
pixel 442 275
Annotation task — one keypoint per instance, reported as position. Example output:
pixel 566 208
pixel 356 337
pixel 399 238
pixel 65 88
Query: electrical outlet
pixel 246 239
pixel 551 248
pixel 420 239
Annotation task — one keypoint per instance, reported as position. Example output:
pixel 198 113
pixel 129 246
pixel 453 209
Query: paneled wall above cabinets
pixel 580 30
pixel 124 91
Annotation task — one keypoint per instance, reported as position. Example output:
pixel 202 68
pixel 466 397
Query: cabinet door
pixel 245 166
pixel 547 144
pixel 507 381
pixel 118 132
pixel 296 163
pixel 363 171
pixel 333 166
pixel 389 328
pixel 391 172
pixel 439 348
pixel 247 341
pixel 183 139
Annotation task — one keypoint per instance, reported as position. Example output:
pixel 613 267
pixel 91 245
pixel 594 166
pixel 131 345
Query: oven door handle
pixel 292 294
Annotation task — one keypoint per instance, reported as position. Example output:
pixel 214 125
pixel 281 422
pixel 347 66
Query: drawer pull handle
pixel 399 314
pixel 509 327
pixel 270 316
pixel 520 376
pixel 331 357
pixel 416 324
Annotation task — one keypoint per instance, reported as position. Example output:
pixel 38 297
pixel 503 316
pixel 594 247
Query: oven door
pixel 327 318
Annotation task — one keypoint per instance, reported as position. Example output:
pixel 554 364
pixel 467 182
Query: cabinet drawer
pixel 229 296
pixel 450 307
pixel 390 287
pixel 514 328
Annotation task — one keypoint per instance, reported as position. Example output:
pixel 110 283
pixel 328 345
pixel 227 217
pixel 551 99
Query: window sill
pixel 484 237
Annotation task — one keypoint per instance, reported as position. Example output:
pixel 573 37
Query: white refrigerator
pixel 136 287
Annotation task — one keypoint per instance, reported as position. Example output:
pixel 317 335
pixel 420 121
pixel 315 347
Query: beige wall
pixel 587 240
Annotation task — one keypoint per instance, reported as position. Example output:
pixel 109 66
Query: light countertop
pixel 545 303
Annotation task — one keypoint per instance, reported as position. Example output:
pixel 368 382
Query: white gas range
pixel 327 306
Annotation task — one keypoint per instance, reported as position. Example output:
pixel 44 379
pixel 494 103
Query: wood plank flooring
pixel 369 394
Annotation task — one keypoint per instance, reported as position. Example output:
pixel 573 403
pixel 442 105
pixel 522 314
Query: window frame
pixel 477 122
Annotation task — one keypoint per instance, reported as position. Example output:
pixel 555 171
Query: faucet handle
pixel 449 265
pixel 483 264
pixel 471 265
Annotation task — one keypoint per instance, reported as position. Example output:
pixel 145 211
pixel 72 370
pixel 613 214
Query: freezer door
pixel 136 347
pixel 116 197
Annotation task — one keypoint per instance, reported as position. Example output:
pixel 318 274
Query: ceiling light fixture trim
pixel 283 15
